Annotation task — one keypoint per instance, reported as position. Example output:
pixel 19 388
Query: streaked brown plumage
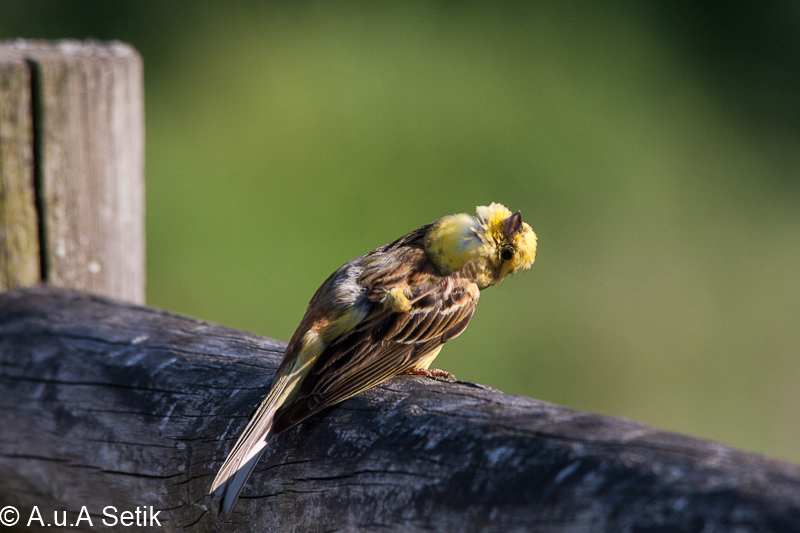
pixel 385 313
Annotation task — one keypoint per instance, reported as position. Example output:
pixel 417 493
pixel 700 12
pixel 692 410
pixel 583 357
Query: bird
pixel 380 315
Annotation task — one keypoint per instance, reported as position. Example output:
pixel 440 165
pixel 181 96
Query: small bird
pixel 382 314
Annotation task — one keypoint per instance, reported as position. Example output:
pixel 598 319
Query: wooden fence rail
pixel 106 404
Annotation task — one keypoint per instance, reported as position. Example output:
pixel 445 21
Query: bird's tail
pixel 229 482
pixel 246 452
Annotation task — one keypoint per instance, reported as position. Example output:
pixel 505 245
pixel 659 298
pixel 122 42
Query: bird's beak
pixel 514 224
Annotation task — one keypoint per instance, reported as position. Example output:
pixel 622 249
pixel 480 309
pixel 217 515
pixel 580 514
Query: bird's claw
pixel 434 373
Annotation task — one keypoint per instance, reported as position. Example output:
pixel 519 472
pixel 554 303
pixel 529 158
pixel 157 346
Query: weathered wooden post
pixel 72 167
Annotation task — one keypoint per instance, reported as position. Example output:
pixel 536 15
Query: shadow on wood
pixel 109 404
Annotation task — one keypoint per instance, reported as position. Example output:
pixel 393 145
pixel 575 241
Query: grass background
pixel 655 150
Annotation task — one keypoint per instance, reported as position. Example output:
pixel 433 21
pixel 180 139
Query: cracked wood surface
pixel 110 404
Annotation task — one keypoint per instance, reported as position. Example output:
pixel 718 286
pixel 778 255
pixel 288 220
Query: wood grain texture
pixel 19 239
pixel 89 138
pixel 108 404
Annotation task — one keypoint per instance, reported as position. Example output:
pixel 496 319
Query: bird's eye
pixel 506 253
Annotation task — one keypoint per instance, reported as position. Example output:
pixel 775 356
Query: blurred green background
pixel 654 147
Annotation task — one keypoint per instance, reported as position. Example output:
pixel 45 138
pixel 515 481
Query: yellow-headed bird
pixel 385 313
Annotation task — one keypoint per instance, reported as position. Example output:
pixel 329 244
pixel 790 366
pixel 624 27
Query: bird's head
pixel 495 243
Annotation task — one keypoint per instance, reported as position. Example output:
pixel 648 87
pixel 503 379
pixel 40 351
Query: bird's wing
pixel 383 345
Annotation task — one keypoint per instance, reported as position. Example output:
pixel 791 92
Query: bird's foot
pixel 434 373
